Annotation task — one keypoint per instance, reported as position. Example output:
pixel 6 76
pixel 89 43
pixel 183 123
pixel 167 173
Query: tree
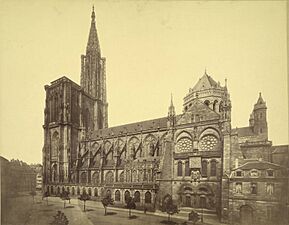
pixel 46 195
pixel 130 204
pixel 194 217
pixel 64 196
pixel 169 207
pixel 84 197
pixel 33 193
pixel 60 219
pixel 106 201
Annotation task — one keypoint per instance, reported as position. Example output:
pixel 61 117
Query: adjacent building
pixel 16 177
pixel 195 157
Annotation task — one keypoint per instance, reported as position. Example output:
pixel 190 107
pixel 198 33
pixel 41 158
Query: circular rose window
pixel 184 145
pixel 208 143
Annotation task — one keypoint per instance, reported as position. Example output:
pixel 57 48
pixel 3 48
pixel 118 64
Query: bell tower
pixel 93 76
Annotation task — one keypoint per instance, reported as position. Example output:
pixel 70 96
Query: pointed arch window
pixel 180 169
pixel 137 196
pixel 187 168
pixel 204 168
pixel 213 168
pixel 117 196
pixel 148 197
pixel 121 177
pixel 109 177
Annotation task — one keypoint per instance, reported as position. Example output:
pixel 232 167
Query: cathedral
pixel 196 157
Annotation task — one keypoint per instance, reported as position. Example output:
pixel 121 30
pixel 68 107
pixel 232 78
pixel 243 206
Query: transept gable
pixel 197 112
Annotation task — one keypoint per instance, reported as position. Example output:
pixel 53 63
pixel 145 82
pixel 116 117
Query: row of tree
pixel 168 205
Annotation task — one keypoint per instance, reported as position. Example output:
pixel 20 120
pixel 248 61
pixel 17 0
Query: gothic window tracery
pixel 95 177
pixel 134 176
pixel 83 178
pixel 184 145
pixel 208 143
pixel 132 147
pixel 121 177
pixel 128 178
pixel 149 143
pixel 109 177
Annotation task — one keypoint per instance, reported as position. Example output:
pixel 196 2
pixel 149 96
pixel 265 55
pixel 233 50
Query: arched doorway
pixel 197 197
pixel 246 215
pixel 188 201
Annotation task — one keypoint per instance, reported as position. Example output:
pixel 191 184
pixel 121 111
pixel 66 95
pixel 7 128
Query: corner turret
pixel 258 118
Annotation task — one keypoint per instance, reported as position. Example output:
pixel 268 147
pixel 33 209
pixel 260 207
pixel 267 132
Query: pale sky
pixel 152 48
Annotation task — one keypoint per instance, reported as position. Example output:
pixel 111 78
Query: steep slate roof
pixel 256 164
pixel 280 149
pixel 131 128
pixel 244 131
pixel 205 82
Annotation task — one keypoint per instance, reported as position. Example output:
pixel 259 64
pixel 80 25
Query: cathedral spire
pixel 93 43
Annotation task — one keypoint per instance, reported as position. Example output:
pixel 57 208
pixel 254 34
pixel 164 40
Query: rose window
pixel 184 145
pixel 208 143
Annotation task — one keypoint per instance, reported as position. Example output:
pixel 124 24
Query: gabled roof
pixel 131 128
pixel 280 149
pixel 244 131
pixel 256 164
pixel 198 111
pixel 205 82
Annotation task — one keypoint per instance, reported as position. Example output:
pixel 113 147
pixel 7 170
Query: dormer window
pixel 254 173
pixel 270 173
pixel 239 173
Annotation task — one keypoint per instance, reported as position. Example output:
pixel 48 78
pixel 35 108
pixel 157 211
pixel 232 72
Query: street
pixel 22 210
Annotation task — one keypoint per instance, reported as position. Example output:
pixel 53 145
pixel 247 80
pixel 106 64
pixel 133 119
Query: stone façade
pixel 193 157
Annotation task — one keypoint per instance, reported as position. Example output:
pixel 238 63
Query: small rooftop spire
pixel 206 71
pixel 172 99
pixel 93 14
pixel 225 82
pixel 171 108
pixel 260 99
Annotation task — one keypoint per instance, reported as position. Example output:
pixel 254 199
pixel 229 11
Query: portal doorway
pixel 246 215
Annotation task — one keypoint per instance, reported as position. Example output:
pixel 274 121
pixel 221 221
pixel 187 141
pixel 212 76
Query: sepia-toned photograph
pixel 144 112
